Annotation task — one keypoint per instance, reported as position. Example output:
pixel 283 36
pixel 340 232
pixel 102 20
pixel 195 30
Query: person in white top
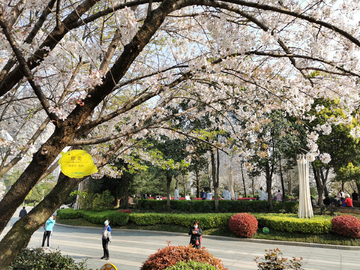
pixel 176 197
pixel 209 196
pixel 266 196
pixel 226 194
pixel 261 194
pixel 187 197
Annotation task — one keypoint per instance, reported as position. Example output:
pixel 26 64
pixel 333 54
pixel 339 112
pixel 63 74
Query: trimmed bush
pixel 346 225
pixel 171 255
pixel 98 217
pixel 191 265
pixel 119 218
pixel 29 259
pixel 205 206
pixel 243 224
pixel 70 213
pixel 291 223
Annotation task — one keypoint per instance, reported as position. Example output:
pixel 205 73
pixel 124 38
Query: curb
pixel 217 237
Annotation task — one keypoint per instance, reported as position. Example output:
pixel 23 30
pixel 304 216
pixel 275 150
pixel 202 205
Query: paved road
pixel 130 248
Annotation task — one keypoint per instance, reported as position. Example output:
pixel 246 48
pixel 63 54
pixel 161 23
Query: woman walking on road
pixel 48 227
pixel 196 235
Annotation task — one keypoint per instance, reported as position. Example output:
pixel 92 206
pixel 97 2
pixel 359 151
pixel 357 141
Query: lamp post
pixel 305 207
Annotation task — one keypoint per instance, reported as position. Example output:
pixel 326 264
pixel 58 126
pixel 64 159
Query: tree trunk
pixel 126 190
pixel 213 173
pixel 197 177
pixel 243 178
pixel 268 176
pixel 216 184
pixel 19 235
pixel 282 181
pixel 253 186
pixel 231 181
pixel 319 184
pixel 168 183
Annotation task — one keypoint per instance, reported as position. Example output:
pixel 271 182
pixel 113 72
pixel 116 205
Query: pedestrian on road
pixel 22 212
pixel 48 228
pixel 196 235
pixel 106 238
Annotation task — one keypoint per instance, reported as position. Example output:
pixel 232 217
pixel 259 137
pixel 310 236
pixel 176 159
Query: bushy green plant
pixel 243 224
pixel 30 259
pixel 69 213
pixel 103 201
pixel 205 206
pixel 171 255
pixel 97 217
pixel 191 265
pixel 119 218
pixel 291 223
pixel 274 261
pixel 346 225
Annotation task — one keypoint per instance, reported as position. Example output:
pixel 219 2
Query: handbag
pixel 197 242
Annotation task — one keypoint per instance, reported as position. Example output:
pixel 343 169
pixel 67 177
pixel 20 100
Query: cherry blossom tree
pixel 101 74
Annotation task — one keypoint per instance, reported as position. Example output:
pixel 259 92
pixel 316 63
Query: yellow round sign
pixel 108 266
pixel 77 164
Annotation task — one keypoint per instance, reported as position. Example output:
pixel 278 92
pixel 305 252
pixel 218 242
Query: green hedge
pixel 70 213
pixel 277 222
pixel 95 217
pixel 291 223
pixel 206 221
pixel 204 206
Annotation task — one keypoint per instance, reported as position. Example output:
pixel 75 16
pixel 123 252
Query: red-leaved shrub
pixel 346 225
pixel 243 224
pixel 171 255
pixel 124 211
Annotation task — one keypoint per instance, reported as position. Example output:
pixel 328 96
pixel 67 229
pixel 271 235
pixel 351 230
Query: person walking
pixel 23 212
pixel 195 235
pixel 48 227
pixel 279 196
pixel 106 238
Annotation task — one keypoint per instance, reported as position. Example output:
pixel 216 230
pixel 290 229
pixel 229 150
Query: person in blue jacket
pixel 48 228
pixel 106 238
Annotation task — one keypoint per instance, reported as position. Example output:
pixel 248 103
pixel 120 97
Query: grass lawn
pixel 330 238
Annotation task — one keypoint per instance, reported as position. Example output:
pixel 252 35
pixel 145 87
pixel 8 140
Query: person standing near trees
pixel 176 196
pixel 279 196
pixel 195 235
pixel 106 238
pixel 22 212
pixel 226 194
pixel 48 227
pixel 203 194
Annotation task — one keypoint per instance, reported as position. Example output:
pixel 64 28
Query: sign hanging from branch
pixel 77 164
